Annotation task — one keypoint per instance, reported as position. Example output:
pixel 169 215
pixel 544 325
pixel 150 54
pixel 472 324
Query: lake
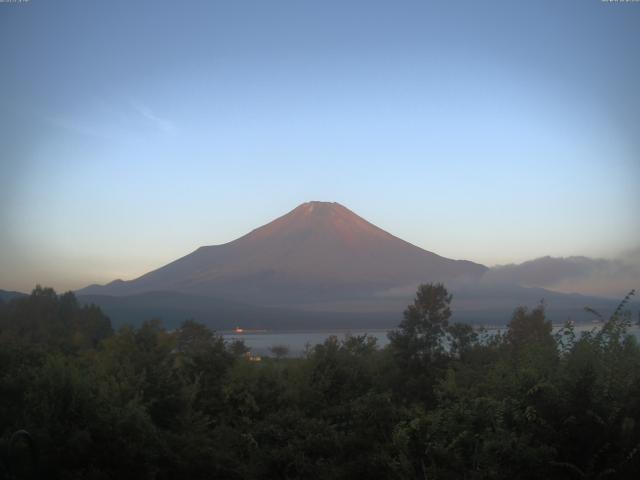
pixel 297 341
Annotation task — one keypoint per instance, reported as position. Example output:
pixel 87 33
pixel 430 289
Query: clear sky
pixel 132 132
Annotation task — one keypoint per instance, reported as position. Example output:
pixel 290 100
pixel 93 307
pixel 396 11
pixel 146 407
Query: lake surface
pixel 298 341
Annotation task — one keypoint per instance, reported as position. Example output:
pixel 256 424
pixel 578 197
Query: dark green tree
pixel 421 333
pixel 418 344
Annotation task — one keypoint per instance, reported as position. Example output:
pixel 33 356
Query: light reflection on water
pixel 297 341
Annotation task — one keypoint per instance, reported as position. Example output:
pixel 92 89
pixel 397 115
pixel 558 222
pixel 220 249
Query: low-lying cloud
pixel 589 276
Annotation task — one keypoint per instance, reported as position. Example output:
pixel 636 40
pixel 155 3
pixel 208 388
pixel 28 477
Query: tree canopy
pixel 442 400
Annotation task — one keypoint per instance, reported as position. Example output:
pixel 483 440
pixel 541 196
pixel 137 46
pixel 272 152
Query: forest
pixel 79 400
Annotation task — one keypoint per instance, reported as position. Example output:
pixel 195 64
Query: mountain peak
pixel 318 250
pixel 324 221
pixel 316 206
pixel 318 203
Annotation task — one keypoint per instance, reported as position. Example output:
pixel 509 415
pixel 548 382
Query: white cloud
pixel 160 123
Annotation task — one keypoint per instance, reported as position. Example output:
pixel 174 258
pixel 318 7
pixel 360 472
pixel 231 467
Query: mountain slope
pixel 319 251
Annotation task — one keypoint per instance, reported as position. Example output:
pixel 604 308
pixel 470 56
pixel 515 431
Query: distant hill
pixel 174 307
pixel 478 306
pixel 493 305
pixel 318 252
pixel 6 295
pixel 473 302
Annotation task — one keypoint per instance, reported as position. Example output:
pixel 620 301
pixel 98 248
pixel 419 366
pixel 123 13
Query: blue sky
pixel 134 132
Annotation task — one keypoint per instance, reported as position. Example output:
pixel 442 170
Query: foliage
pixel 440 401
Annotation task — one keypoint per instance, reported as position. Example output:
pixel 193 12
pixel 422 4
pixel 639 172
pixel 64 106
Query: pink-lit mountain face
pixel 319 251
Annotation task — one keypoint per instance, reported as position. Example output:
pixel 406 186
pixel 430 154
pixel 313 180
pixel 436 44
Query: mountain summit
pixel 319 251
pixel 322 219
